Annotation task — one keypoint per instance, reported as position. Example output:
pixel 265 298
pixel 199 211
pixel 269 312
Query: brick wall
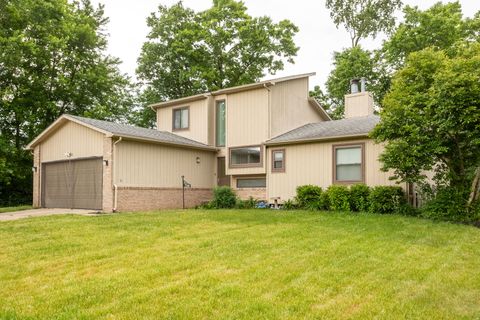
pixel 138 199
pixel 256 193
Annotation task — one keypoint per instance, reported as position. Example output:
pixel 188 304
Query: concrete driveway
pixel 15 215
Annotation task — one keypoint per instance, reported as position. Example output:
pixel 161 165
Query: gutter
pixel 173 144
pixel 312 140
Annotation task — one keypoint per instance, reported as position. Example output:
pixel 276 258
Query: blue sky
pixel 318 37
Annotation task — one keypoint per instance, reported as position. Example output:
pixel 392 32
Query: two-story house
pixel 262 139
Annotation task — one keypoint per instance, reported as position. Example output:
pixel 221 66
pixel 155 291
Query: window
pixel 252 183
pixel 246 157
pixel 278 160
pixel 348 163
pixel 220 111
pixel 180 118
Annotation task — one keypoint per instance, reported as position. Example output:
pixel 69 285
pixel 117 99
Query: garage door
pixel 73 184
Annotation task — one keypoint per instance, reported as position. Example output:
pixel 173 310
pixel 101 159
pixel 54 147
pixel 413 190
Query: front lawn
pixel 17 208
pixel 238 265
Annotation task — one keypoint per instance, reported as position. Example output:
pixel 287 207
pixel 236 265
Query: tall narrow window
pixel 278 160
pixel 180 118
pixel 348 163
pixel 220 115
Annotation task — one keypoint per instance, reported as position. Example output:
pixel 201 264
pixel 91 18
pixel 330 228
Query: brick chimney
pixel 359 103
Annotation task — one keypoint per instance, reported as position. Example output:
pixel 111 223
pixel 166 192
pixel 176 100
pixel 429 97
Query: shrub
pixel 325 201
pixel 359 197
pixel 386 199
pixel 449 204
pixel 250 203
pixel 338 198
pixel 289 205
pixel 224 198
pixel 308 196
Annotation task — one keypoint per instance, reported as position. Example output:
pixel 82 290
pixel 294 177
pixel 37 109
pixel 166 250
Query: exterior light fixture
pixel 197 160
pixel 105 163
pixel 34 169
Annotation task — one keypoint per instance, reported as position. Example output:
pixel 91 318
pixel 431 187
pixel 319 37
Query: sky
pixel 318 37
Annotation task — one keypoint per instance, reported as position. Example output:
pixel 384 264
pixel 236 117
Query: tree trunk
pixel 475 189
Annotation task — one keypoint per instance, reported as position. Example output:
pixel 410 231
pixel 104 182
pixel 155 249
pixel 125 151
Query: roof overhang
pixel 168 103
pixel 171 144
pixel 250 86
pixel 57 124
pixel 318 107
pixel 313 140
pixel 65 118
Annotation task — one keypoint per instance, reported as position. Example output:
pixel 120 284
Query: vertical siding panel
pixel 153 165
pixel 290 106
pixel 75 138
pixel 247 124
pixel 198 117
pixel 312 164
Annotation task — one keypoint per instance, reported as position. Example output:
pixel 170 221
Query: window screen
pixel 348 163
pixel 180 118
pixel 278 157
pixel 245 156
pixel 252 183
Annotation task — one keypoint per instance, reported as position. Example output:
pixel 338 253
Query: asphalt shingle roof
pixel 124 130
pixel 326 129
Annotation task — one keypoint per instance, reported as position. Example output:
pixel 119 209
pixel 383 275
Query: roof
pixel 235 89
pixel 113 129
pixel 352 127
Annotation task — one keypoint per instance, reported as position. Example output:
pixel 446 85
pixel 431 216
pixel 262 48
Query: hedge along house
pixel 93 164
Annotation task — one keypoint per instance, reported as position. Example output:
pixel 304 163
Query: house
pixel 262 139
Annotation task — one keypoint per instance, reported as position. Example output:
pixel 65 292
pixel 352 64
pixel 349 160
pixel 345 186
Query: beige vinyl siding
pixel 198 120
pixel 154 165
pixel 312 163
pixel 290 106
pixel 247 124
pixel 79 140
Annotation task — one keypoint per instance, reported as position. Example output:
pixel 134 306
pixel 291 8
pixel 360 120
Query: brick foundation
pixel 256 193
pixel 138 199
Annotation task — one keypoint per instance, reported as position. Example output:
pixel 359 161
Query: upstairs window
pixel 246 157
pixel 220 116
pixel 181 119
pixel 348 163
pixel 278 160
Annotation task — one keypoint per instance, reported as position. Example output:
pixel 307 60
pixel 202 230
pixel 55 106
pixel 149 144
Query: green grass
pixel 238 265
pixel 17 208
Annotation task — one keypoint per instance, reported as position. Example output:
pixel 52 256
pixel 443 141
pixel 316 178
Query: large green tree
pixel 439 27
pixel 431 117
pixel 190 52
pixel 363 18
pixel 52 61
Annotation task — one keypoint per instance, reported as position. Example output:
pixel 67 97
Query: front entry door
pixel 222 178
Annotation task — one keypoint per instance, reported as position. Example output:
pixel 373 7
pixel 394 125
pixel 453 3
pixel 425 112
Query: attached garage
pixel 84 163
pixel 73 184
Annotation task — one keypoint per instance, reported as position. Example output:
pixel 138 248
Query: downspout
pixel 269 136
pixel 115 187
